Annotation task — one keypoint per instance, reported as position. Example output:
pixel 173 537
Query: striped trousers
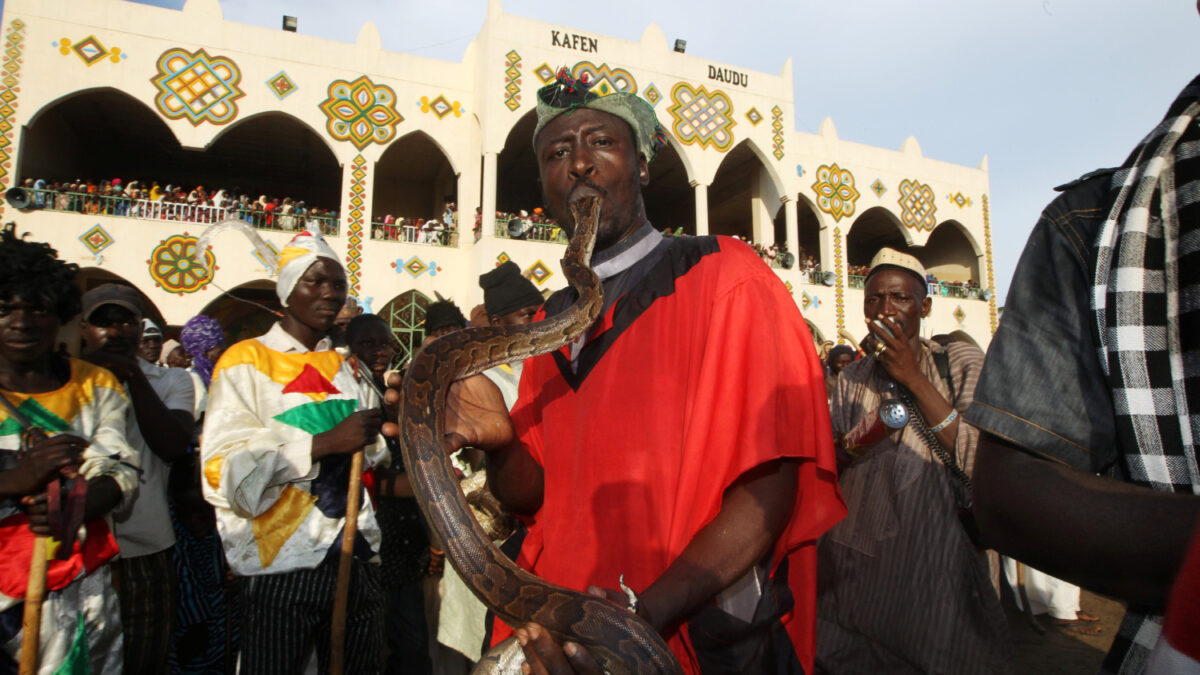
pixel 146 590
pixel 285 615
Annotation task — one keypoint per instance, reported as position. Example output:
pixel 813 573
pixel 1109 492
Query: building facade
pixel 377 145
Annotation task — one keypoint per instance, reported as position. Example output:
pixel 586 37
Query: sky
pixel 1046 89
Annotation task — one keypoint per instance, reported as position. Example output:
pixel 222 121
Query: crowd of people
pixel 157 201
pixel 733 503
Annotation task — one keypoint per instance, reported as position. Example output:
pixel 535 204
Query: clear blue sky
pixel 1047 89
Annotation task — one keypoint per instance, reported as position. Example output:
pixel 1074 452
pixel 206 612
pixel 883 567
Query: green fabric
pixel 319 416
pixel 552 101
pixel 38 415
pixel 78 660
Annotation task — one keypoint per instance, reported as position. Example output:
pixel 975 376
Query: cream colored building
pixel 93 91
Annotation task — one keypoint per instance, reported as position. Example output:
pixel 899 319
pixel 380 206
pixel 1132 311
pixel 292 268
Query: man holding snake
pixel 671 445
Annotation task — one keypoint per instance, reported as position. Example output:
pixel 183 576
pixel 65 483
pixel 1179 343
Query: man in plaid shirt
pixel 1087 468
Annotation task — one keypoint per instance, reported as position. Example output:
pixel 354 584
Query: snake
pixel 620 640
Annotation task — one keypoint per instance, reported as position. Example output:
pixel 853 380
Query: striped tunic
pixel 901 588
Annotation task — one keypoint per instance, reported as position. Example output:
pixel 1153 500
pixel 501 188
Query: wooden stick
pixel 31 621
pixel 340 600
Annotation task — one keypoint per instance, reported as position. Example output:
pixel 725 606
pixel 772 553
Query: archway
pixel 245 311
pixel 405 315
pixel 517 186
pixel 669 197
pixel 743 195
pixel 101 134
pixel 950 255
pixel 413 179
pixel 808 233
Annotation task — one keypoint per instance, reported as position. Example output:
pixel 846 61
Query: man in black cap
pixel 509 300
pixel 159 427
pixel 442 318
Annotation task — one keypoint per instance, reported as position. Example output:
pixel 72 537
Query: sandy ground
pixel 1059 650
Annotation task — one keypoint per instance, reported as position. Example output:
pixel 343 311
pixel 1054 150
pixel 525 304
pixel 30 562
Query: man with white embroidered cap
pixel 907 460
pixel 285 414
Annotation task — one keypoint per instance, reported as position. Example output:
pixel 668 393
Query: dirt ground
pixel 1059 650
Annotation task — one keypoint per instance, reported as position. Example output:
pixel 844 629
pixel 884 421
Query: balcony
pixel 176 212
pixel 545 232
pixel 407 231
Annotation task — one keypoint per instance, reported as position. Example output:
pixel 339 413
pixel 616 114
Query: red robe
pixel 703 370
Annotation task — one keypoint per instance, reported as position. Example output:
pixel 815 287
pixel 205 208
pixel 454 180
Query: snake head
pixel 585 211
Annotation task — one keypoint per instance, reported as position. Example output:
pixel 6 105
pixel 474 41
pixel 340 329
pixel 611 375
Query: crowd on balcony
pixel 434 231
pixel 154 200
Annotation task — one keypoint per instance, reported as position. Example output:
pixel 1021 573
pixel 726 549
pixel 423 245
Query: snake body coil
pixel 620 640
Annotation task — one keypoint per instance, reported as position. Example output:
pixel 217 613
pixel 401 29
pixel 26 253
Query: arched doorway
pixel 405 315
pixel 245 311
pixel 517 187
pixel 876 228
pixel 413 179
pixel 743 197
pixel 808 227
pixel 669 197
pixel 102 134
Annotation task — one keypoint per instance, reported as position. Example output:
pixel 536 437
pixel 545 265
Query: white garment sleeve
pixel 109 453
pixel 254 461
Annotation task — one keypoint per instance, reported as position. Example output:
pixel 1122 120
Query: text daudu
pixel 728 76
pixel 575 41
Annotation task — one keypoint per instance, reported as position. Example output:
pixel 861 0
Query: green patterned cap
pixel 566 94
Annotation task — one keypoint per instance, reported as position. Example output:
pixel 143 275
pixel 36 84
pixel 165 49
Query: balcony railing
pixel 412 234
pixel 144 209
pixel 547 232
pixel 856 281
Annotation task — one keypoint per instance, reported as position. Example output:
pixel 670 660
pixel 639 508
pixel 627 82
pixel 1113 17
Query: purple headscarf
pixel 200 334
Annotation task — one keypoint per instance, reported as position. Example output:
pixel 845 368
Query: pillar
pixel 489 195
pixel 701 208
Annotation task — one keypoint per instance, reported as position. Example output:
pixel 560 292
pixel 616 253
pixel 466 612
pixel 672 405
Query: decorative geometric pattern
pixel 512 80
pixel 539 272
pixel 878 187
pixel 354 221
pixel 361 112
pixel 702 117
pixel 281 85
pixel 416 267
pixel 959 199
pixel 96 239
pixel 754 116
pixel 800 170
pixel 652 94
pixel 13 46
pixel 89 50
pixel 836 194
pixel 441 107
pixel 839 292
pixel 959 314
pixel 991 279
pixel 544 73
pixel 197 87
pixel 174 270
pixel 917 209
pixel 605 80
pixel 788 285
pixel 502 258
pixel 777 132
pixel 274 249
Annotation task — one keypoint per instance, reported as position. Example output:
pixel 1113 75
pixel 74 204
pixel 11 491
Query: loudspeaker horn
pixel 829 278
pixel 516 229
pixel 18 198
pixel 787 259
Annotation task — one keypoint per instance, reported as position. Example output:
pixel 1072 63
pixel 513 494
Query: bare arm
pixel 1112 537
pixel 754 512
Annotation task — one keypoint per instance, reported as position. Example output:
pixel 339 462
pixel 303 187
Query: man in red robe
pixel 684 442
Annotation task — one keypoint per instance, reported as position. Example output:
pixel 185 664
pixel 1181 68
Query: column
pixel 791 231
pixel 701 208
pixel 489 195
